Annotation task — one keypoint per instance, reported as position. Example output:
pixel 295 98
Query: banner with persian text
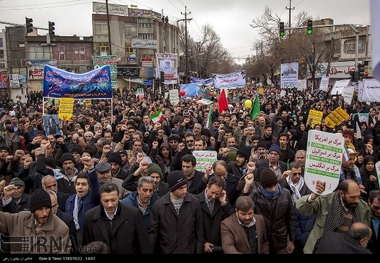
pixel 93 84
pixel 229 81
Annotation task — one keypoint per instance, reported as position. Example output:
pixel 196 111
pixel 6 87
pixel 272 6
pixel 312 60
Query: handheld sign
pixel 66 108
pixel 204 158
pixel 323 159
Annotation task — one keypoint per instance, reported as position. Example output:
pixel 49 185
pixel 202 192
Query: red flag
pixel 222 101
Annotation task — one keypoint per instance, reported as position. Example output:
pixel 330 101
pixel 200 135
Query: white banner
pixel 324 85
pixel 375 36
pixel 371 90
pixel 229 81
pixel 289 75
pixel 173 96
pixel 301 84
pixel 348 93
pixel 323 159
pixel 339 85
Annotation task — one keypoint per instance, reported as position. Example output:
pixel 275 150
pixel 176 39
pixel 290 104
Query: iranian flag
pixel 157 117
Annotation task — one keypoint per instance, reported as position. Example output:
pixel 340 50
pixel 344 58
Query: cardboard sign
pixel 204 158
pixel 66 107
pixel 323 159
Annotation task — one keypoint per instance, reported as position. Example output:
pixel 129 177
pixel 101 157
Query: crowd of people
pixel 112 180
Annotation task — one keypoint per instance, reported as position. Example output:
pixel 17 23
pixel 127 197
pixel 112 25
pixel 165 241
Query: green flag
pixel 255 110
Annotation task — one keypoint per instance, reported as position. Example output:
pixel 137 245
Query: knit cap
pixel 275 147
pixel 268 178
pixel 176 179
pixel 38 199
pixel 154 168
pixel 244 152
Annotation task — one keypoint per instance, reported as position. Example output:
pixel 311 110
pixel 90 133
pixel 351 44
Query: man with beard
pixel 374 205
pixel 260 153
pixel 116 166
pixel 336 211
pixel 40 224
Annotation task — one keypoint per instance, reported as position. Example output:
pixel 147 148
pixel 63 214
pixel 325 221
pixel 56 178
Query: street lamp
pixel 356 44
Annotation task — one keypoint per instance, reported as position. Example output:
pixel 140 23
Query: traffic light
pixel 282 29
pixel 361 70
pixel 309 27
pixel 354 76
pixel 51 29
pixel 29 25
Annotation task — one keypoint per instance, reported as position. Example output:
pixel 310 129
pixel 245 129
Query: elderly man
pixel 103 171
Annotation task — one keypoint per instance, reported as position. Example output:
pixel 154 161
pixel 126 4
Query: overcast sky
pixel 230 19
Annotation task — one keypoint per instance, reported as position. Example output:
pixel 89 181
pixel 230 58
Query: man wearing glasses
pixel 294 182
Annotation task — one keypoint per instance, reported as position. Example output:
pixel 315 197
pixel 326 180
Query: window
pixel 145 25
pixel 146 36
pixel 130 31
pixel 2 65
pixel 1 42
pixel 350 44
pixel 61 53
pixel 37 52
pixel 82 53
pixel 129 50
pixel 1 54
pixel 101 29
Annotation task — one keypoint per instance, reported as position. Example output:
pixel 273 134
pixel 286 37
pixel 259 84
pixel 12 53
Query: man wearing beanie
pixel 175 224
pixel 65 176
pixel 116 163
pixel 37 223
pixel 160 187
pixel 260 152
pixel 274 203
pixel 238 168
pixel 273 162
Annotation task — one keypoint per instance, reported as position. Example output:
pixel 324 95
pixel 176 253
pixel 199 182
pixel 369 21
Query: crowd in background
pixel 114 147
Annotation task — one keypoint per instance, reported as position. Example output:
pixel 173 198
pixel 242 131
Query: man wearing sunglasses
pixel 294 182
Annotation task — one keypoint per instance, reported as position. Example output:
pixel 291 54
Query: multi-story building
pixel 136 35
pixel 3 63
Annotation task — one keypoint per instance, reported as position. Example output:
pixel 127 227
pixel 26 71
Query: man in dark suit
pixel 354 242
pixel 68 219
pixel 244 232
pixel 128 234
pixel 215 208
pixel 193 176
pixel 287 154
pixel 49 182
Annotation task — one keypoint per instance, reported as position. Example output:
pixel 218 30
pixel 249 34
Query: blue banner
pixel 90 85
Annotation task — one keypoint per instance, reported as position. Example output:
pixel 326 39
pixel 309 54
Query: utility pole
pixel 186 51
pixel 109 27
pixel 290 8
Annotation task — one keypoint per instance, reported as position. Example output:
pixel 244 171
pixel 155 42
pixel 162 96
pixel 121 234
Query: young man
pixel 244 231
pixel 40 224
pixel 175 224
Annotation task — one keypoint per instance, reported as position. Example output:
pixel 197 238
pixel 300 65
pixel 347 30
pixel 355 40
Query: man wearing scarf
pixel 335 211
pixel 293 181
pixel 274 203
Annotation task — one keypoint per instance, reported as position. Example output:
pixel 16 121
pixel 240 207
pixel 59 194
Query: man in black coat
pixel 354 242
pixel 120 226
pixel 215 207
pixel 68 219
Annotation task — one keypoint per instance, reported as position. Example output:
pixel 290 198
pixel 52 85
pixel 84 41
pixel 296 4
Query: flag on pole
pixel 222 101
pixel 255 110
pixel 157 117
pixel 209 119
